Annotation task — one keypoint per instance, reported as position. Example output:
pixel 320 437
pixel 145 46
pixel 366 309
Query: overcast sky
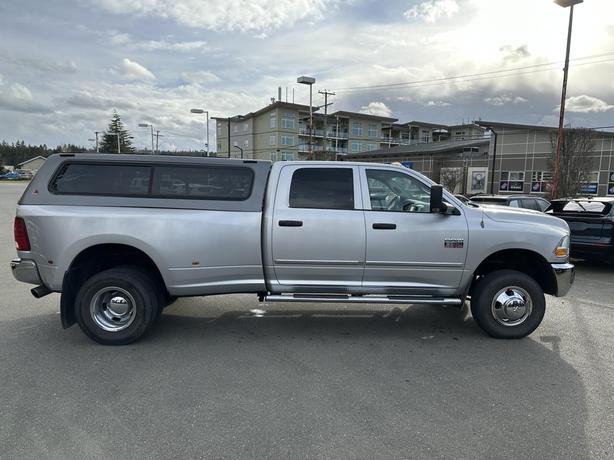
pixel 65 65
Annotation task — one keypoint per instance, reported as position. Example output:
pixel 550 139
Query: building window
pixel 245 127
pixel 425 136
pixel 219 129
pixel 246 143
pixel 235 129
pixel 511 181
pixel 272 139
pixel 287 122
pixel 235 143
pixel 590 184
pixel 356 146
pixel 273 156
pixel 287 156
pixel 373 131
pixel 371 147
pixel 287 140
pixel 273 120
pixel 219 146
pixel 459 136
pixel 540 181
pixel 356 128
pixel 611 183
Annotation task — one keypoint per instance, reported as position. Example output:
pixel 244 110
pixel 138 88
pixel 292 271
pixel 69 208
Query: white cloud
pixel 498 101
pixel 118 38
pixel 228 15
pixel 437 104
pixel 18 98
pixel 432 11
pixel 376 108
pixel 200 77
pixel 586 104
pixel 165 45
pixel 132 70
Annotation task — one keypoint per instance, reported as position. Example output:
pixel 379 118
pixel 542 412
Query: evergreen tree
pixel 109 139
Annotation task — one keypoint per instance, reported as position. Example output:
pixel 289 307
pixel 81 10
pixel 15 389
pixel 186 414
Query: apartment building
pixel 280 131
pixel 512 159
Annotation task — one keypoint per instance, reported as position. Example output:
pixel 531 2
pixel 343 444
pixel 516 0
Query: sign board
pixel 477 177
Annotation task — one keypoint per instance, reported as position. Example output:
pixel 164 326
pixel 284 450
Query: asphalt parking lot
pixel 218 378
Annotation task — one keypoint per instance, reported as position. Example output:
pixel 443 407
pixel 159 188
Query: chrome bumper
pixel 25 271
pixel 565 275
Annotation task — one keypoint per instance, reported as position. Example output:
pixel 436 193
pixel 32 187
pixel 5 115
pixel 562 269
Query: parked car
pixel 515 201
pixel 12 175
pixel 462 198
pixel 24 174
pixel 289 232
pixel 591 221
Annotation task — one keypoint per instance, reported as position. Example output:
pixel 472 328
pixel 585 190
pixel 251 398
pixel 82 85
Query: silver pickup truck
pixel 122 236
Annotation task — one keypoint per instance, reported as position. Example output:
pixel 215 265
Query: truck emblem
pixel 454 243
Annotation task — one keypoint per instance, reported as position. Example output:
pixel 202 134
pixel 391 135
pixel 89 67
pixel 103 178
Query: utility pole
pixel 326 93
pixel 228 137
pixel 96 133
pixel 158 135
pixel 557 153
pixel 119 150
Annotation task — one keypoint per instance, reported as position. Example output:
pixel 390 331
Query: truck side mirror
pixel 437 204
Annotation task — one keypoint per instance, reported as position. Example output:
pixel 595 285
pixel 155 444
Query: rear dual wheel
pixel 508 304
pixel 117 306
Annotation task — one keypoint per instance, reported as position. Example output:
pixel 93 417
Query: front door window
pixel 395 191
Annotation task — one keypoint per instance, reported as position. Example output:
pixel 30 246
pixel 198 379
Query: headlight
pixel 562 248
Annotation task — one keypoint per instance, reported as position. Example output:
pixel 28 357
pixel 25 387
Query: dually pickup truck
pixel 122 236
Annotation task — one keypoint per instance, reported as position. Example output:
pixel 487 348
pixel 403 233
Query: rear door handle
pixel 290 223
pixel 384 226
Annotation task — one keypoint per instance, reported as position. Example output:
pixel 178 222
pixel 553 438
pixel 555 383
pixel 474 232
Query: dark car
pixel 591 221
pixel 515 201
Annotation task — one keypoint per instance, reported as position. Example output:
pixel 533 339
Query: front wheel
pixel 508 304
pixel 117 306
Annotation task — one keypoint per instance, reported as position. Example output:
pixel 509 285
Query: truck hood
pixel 515 215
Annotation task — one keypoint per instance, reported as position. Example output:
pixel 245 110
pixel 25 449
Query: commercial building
pixel 512 159
pixel 280 131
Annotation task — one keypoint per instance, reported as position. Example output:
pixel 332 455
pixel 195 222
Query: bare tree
pixel 575 164
pixel 450 178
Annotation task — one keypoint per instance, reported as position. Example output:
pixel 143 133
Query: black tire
pixel 103 292
pixel 494 318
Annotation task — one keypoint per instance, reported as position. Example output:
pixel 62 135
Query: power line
pixel 491 74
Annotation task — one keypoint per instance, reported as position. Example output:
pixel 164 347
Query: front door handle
pixel 290 223
pixel 384 226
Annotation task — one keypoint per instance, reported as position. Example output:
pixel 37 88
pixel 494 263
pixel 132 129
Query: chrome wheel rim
pixel 511 306
pixel 113 309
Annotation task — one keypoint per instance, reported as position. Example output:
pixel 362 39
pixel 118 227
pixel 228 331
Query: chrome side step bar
pixel 343 298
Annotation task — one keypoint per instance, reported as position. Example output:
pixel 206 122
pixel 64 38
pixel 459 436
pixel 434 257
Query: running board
pixel 342 298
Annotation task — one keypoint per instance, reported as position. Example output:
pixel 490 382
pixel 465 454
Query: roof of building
pixel 31 160
pixel 425 148
pixel 500 124
pixel 274 105
pixel 343 113
pixel 424 124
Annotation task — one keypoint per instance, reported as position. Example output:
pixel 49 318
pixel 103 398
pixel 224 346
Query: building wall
pixel 520 154
pixel 33 165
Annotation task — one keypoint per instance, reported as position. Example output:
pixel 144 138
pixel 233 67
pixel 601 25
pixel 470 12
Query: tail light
pixel 21 235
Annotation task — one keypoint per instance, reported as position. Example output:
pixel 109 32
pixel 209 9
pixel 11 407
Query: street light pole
pixel 237 147
pixel 559 136
pixel 119 149
pixel 201 111
pixel 309 81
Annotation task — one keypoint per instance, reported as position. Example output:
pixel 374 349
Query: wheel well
pixel 94 260
pixel 522 260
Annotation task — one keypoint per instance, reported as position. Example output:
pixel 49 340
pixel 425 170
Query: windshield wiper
pixel 580 204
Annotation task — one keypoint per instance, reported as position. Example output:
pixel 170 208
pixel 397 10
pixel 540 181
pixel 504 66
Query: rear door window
pixel 101 179
pixel 530 203
pixel 322 188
